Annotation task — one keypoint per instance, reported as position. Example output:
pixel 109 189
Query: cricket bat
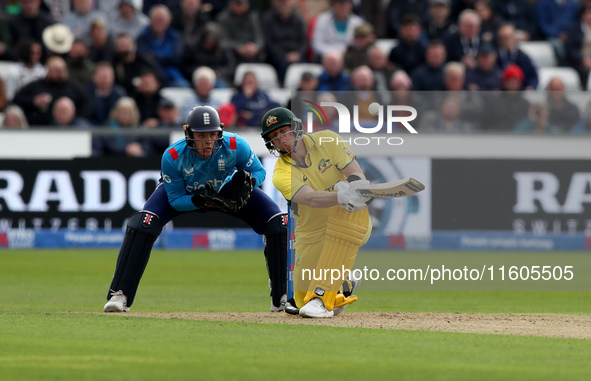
pixel 400 188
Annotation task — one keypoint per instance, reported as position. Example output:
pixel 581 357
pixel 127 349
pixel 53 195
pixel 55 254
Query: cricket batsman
pixel 317 173
pixel 208 170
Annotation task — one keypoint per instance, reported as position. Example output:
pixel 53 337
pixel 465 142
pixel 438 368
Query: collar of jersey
pixel 309 142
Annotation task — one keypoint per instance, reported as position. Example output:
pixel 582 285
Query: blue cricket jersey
pixel 183 171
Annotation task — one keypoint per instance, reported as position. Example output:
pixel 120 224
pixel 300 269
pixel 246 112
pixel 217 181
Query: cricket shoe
pixel 347 290
pixel 315 309
pixel 281 306
pixel 291 309
pixel 117 303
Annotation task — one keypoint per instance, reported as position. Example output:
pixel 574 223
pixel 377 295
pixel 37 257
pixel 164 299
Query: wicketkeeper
pixel 317 174
pixel 208 170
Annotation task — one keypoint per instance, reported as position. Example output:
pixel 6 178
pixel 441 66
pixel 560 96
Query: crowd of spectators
pixel 103 63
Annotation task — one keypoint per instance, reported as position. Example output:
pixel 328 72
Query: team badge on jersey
pixel 221 164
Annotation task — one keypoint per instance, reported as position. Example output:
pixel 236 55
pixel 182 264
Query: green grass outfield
pixel 52 327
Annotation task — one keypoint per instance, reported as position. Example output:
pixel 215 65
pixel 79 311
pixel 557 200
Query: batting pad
pixel 344 235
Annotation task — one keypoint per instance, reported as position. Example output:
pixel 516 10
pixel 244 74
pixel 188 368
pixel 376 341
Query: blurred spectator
pixel 189 18
pixel 454 76
pixel 147 95
pixel 397 10
pixel 30 22
pixel 578 44
pixel 57 8
pixel 520 13
pixel 101 46
pixel 486 76
pixel 583 126
pixel 285 36
pixel 162 43
pixel 124 115
pixel 128 63
pixel 167 115
pixel 410 51
pixel 377 60
pixel 14 117
pixel 373 12
pixel 3 99
pixel 489 21
pixel 331 114
pixel 400 82
pixel 148 4
pixel 333 78
pixel 447 118
pixel 28 56
pixel 555 18
pixel 454 79
pixel 58 39
pixel 537 121
pixel 438 24
pixel 242 32
pixel 334 28
pixel 563 113
pixel 251 102
pixel 204 79
pixel 509 106
pixel 357 53
pixel 207 50
pixel 363 95
pixel 64 115
pixel 81 17
pixel 462 45
pixel 429 76
pixel 5 38
pixel 80 67
pixel 510 54
pixel 128 20
pixel 103 93
pixel 37 98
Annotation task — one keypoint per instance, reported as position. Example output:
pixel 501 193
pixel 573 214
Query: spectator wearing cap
pixel 429 76
pixel 410 51
pixel 563 113
pixel 104 93
pixel 64 115
pixel 242 32
pixel 30 22
pixel 486 76
pixel 81 17
pixel 101 43
pixel 520 13
pixel 129 63
pixel 357 52
pixel 507 107
pixel 163 44
pixel 333 78
pixel 128 20
pixel 510 54
pixel 207 50
pixel 80 67
pixel 204 79
pixel 58 39
pixel 285 36
pixel 438 24
pixel 37 98
pixel 189 18
pixel 334 28
pixel 167 117
pixel 463 44
pixel 397 10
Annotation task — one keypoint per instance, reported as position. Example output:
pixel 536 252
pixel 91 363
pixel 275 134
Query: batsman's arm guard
pixel 276 255
pixel 143 228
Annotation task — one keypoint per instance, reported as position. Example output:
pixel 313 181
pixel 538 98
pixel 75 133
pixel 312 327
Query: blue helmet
pixel 203 119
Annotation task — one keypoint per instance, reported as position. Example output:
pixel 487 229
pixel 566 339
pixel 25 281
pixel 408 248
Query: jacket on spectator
pixel 554 18
pixel 166 51
pixel 520 59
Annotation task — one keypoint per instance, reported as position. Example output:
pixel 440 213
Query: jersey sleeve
pixel 174 184
pixel 246 160
pixel 285 183
pixel 341 153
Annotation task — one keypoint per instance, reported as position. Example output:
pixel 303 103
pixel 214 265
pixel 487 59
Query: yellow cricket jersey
pixel 324 161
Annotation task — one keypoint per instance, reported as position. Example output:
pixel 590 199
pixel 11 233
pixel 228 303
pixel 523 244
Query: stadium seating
pixel 295 71
pixel 386 44
pixel 541 53
pixel 265 73
pixel 222 95
pixel 279 95
pixel 177 95
pixel 569 76
pixel 9 73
